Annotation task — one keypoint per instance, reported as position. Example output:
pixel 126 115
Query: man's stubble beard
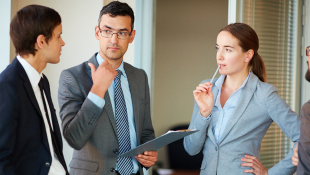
pixel 112 56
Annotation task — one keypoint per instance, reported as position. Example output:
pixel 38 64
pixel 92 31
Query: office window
pixel 274 21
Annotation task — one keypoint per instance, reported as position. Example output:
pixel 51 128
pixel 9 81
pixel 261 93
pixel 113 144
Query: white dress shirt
pixel 34 77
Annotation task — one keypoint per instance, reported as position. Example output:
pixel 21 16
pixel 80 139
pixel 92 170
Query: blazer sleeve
pixel 304 141
pixel 148 130
pixel 288 121
pixel 79 115
pixel 193 143
pixel 9 109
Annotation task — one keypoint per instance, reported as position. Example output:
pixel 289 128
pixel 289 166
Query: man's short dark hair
pixel 116 8
pixel 30 22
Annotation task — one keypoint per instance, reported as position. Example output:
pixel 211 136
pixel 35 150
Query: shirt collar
pixel 220 81
pixel 33 75
pixel 100 60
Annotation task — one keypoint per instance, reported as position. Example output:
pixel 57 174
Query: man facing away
pixel 301 157
pixel 105 102
pixel 30 138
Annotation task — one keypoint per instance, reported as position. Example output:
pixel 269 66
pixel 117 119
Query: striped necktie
pixel 124 164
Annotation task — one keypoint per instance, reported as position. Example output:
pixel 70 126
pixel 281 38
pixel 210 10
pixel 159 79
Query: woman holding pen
pixel 234 112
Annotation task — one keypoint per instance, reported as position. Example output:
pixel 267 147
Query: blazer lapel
pixel 215 91
pixel 21 71
pixel 134 96
pixel 243 102
pixel 108 105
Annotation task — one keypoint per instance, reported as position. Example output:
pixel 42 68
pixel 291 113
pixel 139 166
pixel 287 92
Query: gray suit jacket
pixel 90 130
pixel 304 146
pixel 258 106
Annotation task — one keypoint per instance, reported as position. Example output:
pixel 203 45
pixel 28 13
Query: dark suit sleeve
pixel 304 141
pixel 9 107
pixel 148 131
pixel 79 115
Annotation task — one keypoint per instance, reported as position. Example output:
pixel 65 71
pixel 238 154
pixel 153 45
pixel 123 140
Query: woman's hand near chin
pixel 204 98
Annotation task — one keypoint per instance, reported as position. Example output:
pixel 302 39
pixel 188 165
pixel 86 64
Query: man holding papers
pixel 105 102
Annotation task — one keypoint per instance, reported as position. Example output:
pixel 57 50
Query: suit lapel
pixel 109 109
pixel 134 96
pixel 108 105
pixel 21 71
pixel 243 102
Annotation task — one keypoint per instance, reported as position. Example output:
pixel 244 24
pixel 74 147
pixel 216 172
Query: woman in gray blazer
pixel 234 113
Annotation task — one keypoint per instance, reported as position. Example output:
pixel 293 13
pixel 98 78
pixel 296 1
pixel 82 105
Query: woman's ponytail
pixel 257 66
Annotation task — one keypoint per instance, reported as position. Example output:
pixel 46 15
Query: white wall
pixel 5 13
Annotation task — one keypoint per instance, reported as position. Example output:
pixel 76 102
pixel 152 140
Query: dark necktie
pixel 57 150
pixel 124 164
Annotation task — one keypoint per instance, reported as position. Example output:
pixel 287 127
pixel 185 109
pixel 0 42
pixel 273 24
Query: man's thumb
pixel 92 68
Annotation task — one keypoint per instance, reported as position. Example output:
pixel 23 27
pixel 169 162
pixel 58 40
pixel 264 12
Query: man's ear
pixel 97 32
pixel 249 55
pixel 132 36
pixel 40 43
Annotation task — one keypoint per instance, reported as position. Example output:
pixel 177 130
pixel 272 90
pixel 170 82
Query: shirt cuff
pixel 98 101
pixel 205 118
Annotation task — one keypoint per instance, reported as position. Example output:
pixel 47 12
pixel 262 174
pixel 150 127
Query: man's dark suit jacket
pixel 24 148
pixel 304 141
pixel 90 130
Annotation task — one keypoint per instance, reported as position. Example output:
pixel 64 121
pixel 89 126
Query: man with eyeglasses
pixel 105 102
pixel 301 157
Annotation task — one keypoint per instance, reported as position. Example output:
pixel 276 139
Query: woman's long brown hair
pixel 248 39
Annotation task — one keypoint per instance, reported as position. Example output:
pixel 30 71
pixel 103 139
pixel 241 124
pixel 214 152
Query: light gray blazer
pixel 90 130
pixel 258 106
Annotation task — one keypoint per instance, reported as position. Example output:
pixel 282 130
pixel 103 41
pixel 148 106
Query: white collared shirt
pixel 34 78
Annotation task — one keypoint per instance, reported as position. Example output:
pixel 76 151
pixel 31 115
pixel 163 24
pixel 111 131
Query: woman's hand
pixel 295 159
pixel 253 162
pixel 204 98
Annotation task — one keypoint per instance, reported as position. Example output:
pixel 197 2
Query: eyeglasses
pixel 308 51
pixel 109 34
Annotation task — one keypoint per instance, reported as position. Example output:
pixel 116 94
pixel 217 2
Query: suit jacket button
pixel 115 151
pixel 112 169
pixel 47 164
pixel 215 148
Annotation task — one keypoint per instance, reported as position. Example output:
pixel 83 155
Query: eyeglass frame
pixel 100 30
pixel 308 51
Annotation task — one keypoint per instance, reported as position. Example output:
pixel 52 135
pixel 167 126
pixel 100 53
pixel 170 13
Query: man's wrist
pixel 98 91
